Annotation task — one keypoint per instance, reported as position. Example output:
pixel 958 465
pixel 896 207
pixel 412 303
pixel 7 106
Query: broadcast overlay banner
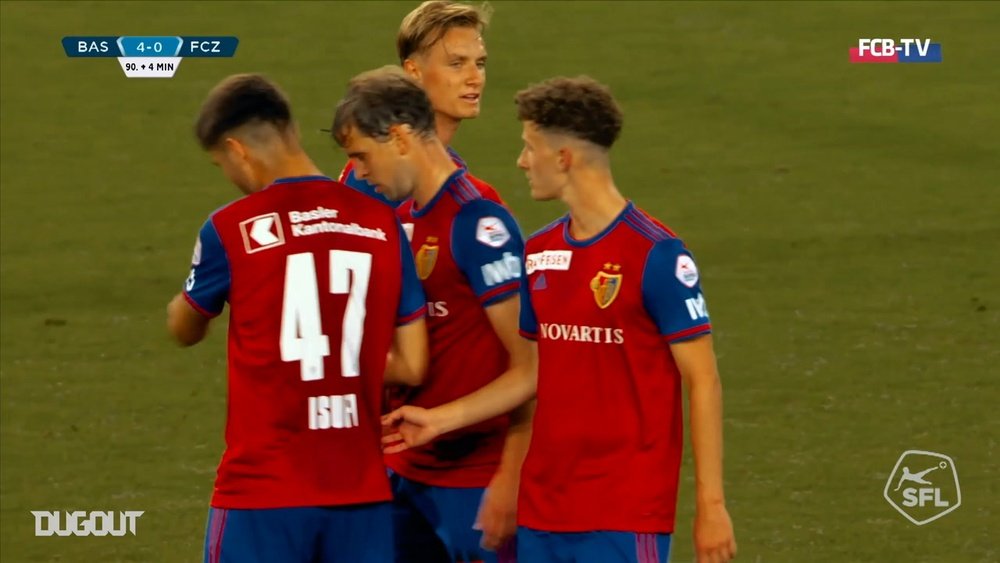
pixel 144 56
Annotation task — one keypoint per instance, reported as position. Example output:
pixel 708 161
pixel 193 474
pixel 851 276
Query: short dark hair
pixel 238 100
pixel 581 107
pixel 378 99
pixel 428 22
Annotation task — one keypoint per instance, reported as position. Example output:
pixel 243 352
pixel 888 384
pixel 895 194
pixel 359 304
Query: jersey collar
pixel 458 173
pixel 294 179
pixel 587 242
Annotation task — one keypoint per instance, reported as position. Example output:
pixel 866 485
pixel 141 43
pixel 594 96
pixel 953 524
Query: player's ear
pixel 412 68
pixel 400 136
pixel 565 159
pixel 235 149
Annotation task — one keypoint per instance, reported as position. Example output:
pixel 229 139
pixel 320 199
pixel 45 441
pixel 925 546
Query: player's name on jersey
pixel 142 56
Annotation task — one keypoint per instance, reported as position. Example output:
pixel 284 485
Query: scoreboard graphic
pixel 150 56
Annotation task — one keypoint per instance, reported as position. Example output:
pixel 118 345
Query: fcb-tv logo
pixel 923 486
pixel 880 50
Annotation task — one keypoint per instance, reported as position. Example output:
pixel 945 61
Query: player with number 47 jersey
pixel 321 285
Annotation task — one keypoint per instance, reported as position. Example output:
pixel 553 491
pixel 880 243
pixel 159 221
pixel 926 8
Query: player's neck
pixel 446 127
pixel 290 166
pixel 593 201
pixel 433 173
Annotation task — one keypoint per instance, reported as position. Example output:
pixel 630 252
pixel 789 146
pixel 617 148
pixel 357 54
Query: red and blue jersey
pixel 607 436
pixel 317 276
pixel 468 253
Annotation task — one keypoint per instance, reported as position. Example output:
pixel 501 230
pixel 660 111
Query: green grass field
pixel 842 216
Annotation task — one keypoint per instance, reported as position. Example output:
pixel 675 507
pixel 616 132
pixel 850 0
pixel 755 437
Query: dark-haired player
pixel 468 251
pixel 321 285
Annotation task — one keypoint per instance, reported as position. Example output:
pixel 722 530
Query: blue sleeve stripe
pixel 463 190
pixel 646 229
pixel 456 158
pixel 459 196
pixel 660 230
pixel 528 335
pixel 472 191
pixel 456 194
pixel 644 219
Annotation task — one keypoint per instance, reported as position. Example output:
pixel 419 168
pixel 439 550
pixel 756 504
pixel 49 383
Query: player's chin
pixel 470 111
pixel 391 195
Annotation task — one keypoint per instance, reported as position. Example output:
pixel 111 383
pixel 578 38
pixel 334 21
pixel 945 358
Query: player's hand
pixel 714 541
pixel 408 427
pixel 497 516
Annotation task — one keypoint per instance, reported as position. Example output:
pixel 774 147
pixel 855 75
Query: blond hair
pixel 427 24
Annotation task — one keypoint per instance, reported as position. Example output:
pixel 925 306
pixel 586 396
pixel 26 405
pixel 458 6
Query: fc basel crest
pixel 606 285
pixel 426 257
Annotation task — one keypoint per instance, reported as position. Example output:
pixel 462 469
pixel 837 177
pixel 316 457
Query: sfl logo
pixel 923 486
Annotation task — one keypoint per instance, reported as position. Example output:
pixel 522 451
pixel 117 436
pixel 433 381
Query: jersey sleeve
pixel 528 324
pixel 207 286
pixel 487 245
pixel 412 302
pixel 671 292
pixel 347 177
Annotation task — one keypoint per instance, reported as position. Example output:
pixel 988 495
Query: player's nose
pixel 475 76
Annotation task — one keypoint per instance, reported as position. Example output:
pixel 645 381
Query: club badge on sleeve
pixel 492 232
pixel 687 272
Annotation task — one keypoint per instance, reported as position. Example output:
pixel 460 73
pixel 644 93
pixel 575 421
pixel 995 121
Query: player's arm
pixel 673 297
pixel 416 426
pixel 410 354
pixel 713 534
pixel 696 361
pixel 185 323
pixel 491 259
pixel 409 357
pixel 205 290
pixel 498 510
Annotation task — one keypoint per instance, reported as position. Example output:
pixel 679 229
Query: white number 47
pixel 302 339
